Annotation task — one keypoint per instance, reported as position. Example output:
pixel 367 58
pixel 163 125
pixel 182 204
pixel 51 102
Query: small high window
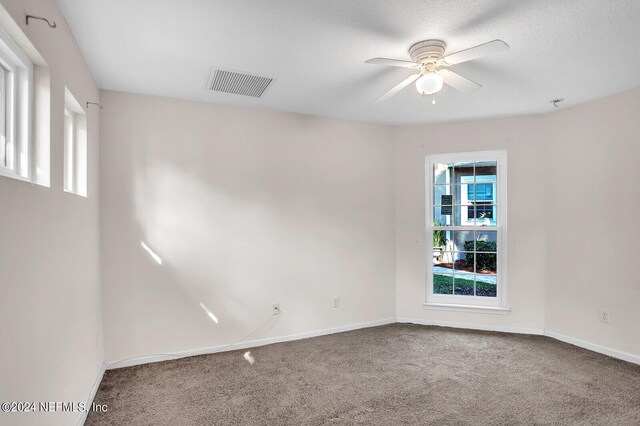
pixel 75 146
pixel 16 86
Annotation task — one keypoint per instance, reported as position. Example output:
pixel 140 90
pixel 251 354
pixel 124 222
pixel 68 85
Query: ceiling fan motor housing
pixel 427 51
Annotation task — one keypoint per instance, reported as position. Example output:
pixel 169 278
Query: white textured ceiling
pixel 574 49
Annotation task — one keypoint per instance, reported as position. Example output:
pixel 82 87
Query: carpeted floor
pixel 389 375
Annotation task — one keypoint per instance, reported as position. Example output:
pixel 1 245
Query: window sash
pixel 16 153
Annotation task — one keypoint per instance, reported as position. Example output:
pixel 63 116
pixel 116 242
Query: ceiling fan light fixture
pixel 429 83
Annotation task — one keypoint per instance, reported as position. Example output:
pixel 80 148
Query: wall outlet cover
pixel 604 316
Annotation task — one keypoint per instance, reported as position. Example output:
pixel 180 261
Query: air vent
pixel 238 83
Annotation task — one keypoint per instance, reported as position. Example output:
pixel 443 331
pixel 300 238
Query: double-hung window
pixel 16 84
pixel 466 229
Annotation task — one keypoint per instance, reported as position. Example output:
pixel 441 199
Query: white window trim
pixel 459 302
pixel 19 120
pixel 70 139
pixel 75 146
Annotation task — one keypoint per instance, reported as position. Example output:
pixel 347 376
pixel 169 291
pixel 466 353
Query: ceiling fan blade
pixel 392 62
pixel 404 83
pixel 486 49
pixel 459 82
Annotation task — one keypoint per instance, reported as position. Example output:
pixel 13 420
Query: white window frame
pixel 496 304
pixel 70 139
pixel 75 146
pixel 17 111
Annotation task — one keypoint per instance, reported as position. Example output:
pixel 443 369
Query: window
pixel 466 217
pixel 16 85
pixel 75 146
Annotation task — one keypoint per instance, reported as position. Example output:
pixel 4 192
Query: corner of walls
pixel 521 137
pixel 562 266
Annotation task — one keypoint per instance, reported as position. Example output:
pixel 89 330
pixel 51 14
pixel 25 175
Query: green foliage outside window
pixel 439 237
pixel 484 261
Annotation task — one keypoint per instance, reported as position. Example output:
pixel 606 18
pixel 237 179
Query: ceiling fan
pixel 428 58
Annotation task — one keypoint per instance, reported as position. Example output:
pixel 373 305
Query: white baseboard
pixel 243 345
pixel 625 356
pixel 267 341
pixel 522 330
pixel 92 393
pixel 473 326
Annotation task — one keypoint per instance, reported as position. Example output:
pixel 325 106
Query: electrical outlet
pixel 276 309
pixel 336 302
pixel 604 316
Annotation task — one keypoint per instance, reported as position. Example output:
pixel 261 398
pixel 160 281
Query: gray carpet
pixel 389 375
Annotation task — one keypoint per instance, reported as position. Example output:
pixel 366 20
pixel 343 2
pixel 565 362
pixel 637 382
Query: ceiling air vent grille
pixel 238 83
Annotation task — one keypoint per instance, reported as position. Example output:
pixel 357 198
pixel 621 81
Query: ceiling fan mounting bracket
pixel 427 51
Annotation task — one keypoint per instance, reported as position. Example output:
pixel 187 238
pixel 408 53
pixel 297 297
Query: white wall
pixel 573 193
pixel 524 140
pixel 594 194
pixel 246 208
pixel 305 207
pixel 50 309
pixel 249 207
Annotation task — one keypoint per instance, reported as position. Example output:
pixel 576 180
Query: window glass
pixel 465 256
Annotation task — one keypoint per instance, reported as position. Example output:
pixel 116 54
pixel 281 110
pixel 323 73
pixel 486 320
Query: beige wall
pixel 50 309
pixel 524 140
pixel 305 206
pixel 249 207
pixel 594 195
pixel 572 191
pixel 246 208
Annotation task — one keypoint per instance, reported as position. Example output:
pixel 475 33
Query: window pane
pixel 461 194
pixel 486 215
pixel 464 262
pixel 486 171
pixel 484 211
pixel 442 173
pixel 443 259
pixel 463 284
pixel 468 216
pixel 463 215
pixel 486 240
pixel 462 172
pixel 442 282
pixel 486 263
pixel 442 216
pixel 451 216
pixel 463 241
pixel 441 239
pixel 482 192
pixel 486 285
pixel 438 192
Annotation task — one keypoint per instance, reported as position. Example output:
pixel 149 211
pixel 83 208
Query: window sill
pixel 13 175
pixel 499 310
